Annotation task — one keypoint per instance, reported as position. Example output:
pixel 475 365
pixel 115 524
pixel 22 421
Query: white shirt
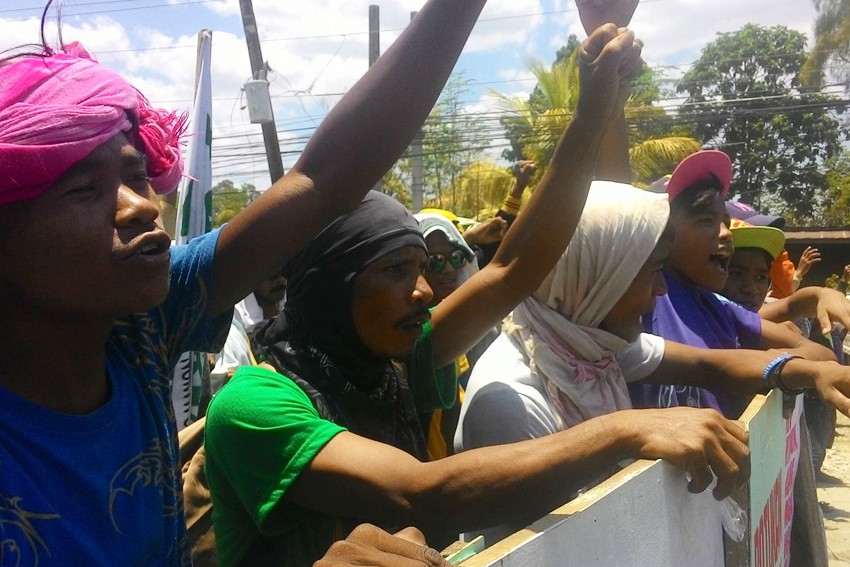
pixel 505 403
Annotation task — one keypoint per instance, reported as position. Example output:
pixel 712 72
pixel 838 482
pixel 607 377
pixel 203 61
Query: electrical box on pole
pixel 259 69
pixel 259 101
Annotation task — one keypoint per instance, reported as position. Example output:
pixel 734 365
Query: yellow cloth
pixel 438 446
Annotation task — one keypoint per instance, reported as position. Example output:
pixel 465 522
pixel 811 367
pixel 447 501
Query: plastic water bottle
pixel 732 516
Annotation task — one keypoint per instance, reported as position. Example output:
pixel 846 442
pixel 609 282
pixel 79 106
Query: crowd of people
pixel 382 369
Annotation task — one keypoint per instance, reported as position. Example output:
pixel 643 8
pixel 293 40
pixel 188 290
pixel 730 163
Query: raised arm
pixel 595 13
pixel 354 146
pixel 610 59
pixel 613 162
pixel 809 257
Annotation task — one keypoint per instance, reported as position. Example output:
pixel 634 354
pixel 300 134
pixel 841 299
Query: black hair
pixel 764 252
pixel 697 197
pixel 34 49
pixel 669 231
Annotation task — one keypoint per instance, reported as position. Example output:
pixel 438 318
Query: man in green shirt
pixel 356 347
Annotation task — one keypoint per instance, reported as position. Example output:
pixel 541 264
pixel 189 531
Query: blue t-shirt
pixel 104 488
pixel 694 316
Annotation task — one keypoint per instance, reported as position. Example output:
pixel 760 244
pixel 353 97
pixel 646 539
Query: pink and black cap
pixel 700 166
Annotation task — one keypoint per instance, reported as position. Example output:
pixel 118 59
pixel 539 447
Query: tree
pixel 453 138
pixel 393 184
pixel 228 200
pixel 836 207
pixel 483 186
pixel 746 98
pixel 534 125
pixel 832 43
pixel 551 84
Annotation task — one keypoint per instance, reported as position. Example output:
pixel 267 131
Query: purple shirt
pixel 697 317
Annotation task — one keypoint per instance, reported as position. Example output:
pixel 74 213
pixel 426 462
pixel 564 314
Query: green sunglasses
pixel 437 262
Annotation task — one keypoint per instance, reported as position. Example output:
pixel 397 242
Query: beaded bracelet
pixel 774 368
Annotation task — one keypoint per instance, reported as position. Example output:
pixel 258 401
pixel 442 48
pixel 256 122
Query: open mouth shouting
pixel 720 260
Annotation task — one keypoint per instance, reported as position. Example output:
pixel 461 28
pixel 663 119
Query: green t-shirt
pixel 261 432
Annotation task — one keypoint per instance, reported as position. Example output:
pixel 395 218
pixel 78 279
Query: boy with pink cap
pixel 692 313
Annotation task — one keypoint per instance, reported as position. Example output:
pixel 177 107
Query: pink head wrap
pixel 55 110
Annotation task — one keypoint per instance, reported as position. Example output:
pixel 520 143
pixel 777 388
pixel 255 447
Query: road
pixel 834 495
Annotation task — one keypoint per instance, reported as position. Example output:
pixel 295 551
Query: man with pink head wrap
pixel 97 305
pixel 56 110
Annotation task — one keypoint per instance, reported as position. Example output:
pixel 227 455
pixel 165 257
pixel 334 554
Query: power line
pixel 489 122
pixel 128 9
pixel 40 9
pixel 496 114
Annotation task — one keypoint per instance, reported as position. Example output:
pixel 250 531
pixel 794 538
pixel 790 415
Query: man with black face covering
pixel 317 344
pixel 295 460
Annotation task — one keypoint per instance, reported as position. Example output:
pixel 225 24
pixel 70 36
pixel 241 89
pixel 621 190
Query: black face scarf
pixel 315 343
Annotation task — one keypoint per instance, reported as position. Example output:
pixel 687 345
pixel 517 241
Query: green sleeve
pixel 432 388
pixel 261 432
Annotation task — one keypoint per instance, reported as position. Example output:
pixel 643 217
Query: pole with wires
pixel 375 52
pixel 259 70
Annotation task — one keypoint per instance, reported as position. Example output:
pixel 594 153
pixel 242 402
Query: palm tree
pixel 832 43
pixel 483 186
pixel 537 122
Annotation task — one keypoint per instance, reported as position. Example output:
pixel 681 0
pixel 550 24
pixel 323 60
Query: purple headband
pixel 55 110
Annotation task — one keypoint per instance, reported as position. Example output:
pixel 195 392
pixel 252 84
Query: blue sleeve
pixel 747 323
pixel 185 313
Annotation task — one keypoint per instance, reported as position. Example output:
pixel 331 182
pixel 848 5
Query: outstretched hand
pixel 594 13
pixel 609 60
pixel 698 441
pixel 832 382
pixel 369 545
pixel 832 308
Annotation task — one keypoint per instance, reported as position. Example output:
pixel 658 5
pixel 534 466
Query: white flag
pixel 191 376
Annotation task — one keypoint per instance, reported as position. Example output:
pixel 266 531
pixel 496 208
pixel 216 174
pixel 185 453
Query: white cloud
pixel 321 47
pixel 675 32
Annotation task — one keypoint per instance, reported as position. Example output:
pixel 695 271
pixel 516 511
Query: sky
pixel 317 49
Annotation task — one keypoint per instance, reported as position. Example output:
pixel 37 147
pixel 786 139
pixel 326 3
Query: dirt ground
pixel 834 495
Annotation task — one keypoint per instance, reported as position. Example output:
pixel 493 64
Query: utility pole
pixel 417 165
pixel 374 33
pixel 375 51
pixel 259 70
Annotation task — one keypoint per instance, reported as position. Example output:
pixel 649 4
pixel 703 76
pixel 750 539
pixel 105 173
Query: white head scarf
pixel 558 324
pixel 431 222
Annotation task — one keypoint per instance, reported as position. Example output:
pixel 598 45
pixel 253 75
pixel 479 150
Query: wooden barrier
pixel 644 515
